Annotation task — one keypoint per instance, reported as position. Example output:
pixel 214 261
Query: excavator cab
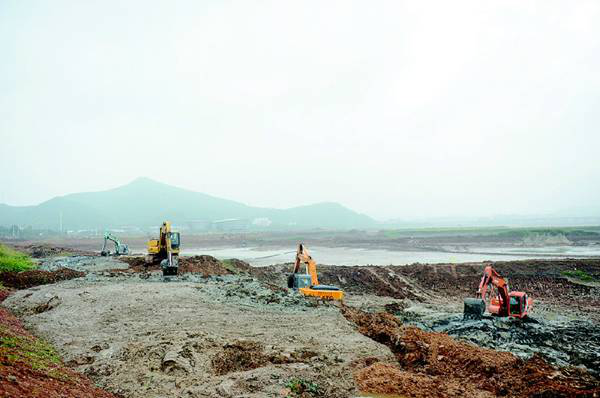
pixel 518 304
pixel 174 236
pixel 297 281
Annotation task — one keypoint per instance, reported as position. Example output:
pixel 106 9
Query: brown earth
pixel 436 365
pixel 203 264
pixel 27 279
pixel 41 250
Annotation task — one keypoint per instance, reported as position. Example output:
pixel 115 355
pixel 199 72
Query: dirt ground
pixel 223 329
pixel 29 367
pixel 148 338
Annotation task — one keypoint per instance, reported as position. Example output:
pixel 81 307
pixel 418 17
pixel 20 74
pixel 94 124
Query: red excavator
pixel 503 303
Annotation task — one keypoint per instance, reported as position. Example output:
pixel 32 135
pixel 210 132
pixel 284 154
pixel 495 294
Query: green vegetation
pixel 505 232
pixel 578 274
pixel 300 387
pixel 11 260
pixel 230 266
pixel 572 232
pixel 35 353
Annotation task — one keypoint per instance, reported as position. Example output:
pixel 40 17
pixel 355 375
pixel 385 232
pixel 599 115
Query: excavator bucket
pixel 474 308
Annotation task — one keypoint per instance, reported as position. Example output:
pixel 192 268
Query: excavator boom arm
pixel 493 278
pixel 302 257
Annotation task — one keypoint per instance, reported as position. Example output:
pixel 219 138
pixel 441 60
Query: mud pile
pixel 436 365
pixel 27 279
pixel 250 292
pixel 563 343
pixel 239 356
pixel 203 264
pixel 46 250
pixel 539 278
pixel 381 281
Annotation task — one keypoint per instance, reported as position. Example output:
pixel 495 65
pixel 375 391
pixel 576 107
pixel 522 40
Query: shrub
pixel 581 275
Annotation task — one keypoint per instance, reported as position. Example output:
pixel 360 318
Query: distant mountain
pixel 145 203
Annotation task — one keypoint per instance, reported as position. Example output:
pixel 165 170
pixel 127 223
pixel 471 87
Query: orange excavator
pixel 308 283
pixel 503 303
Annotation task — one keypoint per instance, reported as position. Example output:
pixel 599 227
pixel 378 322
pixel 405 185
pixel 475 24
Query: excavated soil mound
pixel 541 278
pixel 29 367
pixel 244 355
pixel 239 356
pixel 27 279
pixel 206 265
pixel 434 364
pixel 385 378
pixel 381 281
pixel 375 280
pixel 44 250
pixel 203 264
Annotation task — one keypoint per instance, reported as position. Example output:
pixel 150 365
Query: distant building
pixel 230 224
pixel 262 222
pixel 199 225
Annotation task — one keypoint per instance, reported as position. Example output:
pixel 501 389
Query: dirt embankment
pixel 29 367
pixel 27 279
pixel 541 279
pixel 435 365
pixel 203 264
pixel 42 250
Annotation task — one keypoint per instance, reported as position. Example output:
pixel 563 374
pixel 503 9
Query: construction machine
pixel 165 250
pixel 502 302
pixel 120 248
pixel 308 282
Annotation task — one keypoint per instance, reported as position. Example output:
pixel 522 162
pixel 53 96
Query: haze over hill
pixel 145 203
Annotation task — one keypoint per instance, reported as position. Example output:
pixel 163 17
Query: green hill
pixel 145 203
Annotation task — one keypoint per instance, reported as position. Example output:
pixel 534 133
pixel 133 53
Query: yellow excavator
pixel 308 283
pixel 165 250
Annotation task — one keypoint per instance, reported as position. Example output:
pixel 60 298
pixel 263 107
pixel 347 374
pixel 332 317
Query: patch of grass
pixel 231 266
pixel 36 353
pixel 300 387
pixel 578 274
pixel 12 260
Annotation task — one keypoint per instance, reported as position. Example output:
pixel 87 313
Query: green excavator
pixel 120 248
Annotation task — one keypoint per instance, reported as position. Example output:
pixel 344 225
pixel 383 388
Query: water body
pixel 357 256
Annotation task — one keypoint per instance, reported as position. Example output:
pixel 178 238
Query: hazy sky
pixel 395 109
